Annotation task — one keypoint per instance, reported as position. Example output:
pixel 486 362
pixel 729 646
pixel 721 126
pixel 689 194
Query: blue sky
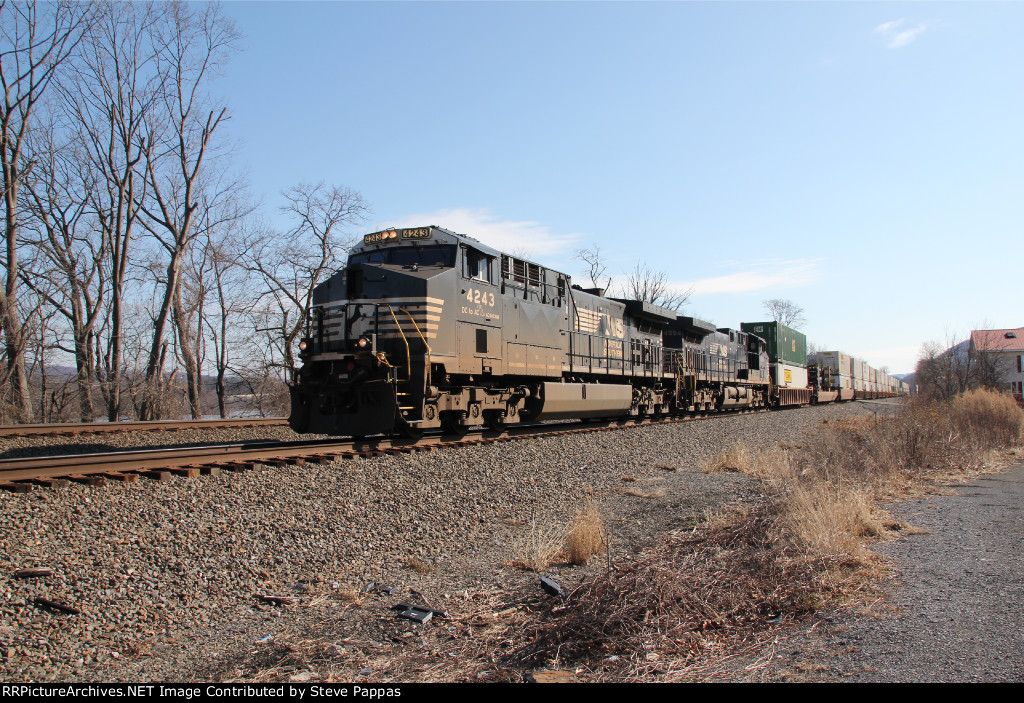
pixel 865 160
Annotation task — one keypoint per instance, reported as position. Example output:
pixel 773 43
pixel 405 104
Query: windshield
pixel 437 255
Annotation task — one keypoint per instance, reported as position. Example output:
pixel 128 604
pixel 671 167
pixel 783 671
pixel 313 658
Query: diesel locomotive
pixel 426 328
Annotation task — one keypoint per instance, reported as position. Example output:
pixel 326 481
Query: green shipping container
pixel 784 344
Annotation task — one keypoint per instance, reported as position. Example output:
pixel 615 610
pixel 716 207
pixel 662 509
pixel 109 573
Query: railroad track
pixel 25 474
pixel 74 428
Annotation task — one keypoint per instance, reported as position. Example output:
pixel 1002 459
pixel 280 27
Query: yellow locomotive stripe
pixel 434 303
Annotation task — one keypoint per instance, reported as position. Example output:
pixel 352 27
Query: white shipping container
pixel 859 370
pixel 789 376
pixel 839 363
pixel 840 382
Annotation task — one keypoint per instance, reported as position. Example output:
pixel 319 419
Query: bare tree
pixel 178 176
pixel 813 349
pixel 66 252
pixel 596 266
pixel 261 371
pixel 945 371
pixel 35 40
pixel 785 312
pixel 230 301
pixel 215 291
pixel 295 263
pixel 643 283
pixel 108 95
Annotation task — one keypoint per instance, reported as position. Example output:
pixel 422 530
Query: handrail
pixel 422 338
pixel 408 355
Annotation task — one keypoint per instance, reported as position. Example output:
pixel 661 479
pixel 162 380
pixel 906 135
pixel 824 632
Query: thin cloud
pixel 895 35
pixel 513 236
pixel 765 274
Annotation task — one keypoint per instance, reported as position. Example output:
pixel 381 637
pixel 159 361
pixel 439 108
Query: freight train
pixel 425 328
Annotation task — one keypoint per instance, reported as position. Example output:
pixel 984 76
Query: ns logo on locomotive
pixel 426 328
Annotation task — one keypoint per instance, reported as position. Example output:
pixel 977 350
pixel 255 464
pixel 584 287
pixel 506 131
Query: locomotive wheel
pixel 454 424
pixel 495 420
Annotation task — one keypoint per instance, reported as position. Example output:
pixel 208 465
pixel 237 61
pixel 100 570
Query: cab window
pixel 436 255
pixel 477 265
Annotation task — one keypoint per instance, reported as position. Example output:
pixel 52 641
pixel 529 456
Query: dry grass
pixel 695 592
pixel 824 519
pixel 545 543
pixel 537 548
pixel 351 596
pixel 724 585
pixel 738 457
pixel 819 512
pixel 587 535
pixel 419 566
pixel 656 493
pixel 987 420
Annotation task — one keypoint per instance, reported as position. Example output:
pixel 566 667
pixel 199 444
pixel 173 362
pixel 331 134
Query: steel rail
pixel 72 428
pixel 191 461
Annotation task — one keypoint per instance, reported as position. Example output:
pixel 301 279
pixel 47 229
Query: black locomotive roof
pixel 647 311
pixel 691 325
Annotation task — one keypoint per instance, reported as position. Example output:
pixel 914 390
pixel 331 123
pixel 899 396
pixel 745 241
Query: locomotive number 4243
pixel 480 297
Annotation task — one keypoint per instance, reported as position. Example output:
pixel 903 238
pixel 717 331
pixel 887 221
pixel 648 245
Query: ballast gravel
pixel 168 576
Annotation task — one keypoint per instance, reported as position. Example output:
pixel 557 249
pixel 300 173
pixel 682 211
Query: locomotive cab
pixel 368 335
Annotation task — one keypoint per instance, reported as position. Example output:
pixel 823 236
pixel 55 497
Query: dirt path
pixel 957 610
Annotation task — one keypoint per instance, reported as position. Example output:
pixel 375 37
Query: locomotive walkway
pixel 957 608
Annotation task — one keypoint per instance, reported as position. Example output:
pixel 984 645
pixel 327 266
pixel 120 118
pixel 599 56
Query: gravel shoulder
pixel 167 574
pixel 954 606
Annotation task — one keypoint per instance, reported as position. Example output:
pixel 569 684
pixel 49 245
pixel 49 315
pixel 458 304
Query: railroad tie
pixel 51 482
pixel 239 466
pixel 90 480
pixel 126 477
pixel 185 471
pixel 16 487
